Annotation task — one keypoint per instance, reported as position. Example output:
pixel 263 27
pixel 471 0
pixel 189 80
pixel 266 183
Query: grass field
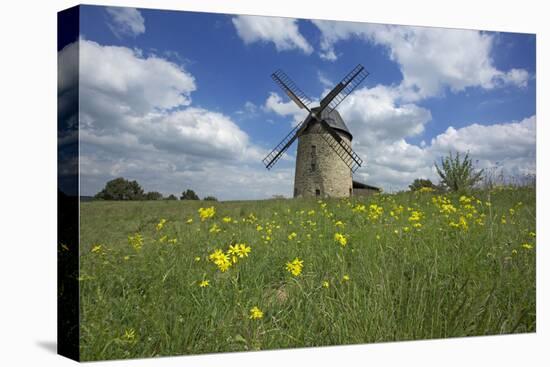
pixel 304 272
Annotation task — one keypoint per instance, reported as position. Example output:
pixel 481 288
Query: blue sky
pixel 183 100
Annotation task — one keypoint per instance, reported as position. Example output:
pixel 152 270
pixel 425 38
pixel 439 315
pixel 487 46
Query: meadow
pixel 165 278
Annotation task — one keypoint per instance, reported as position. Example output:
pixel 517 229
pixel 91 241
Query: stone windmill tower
pixel 325 161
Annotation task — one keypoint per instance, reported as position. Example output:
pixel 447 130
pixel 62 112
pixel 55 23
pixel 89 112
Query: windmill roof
pixel 334 120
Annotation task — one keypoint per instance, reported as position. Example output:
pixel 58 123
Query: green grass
pixel 432 281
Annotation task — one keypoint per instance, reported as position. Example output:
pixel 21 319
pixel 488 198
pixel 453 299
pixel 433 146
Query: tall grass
pixel 406 281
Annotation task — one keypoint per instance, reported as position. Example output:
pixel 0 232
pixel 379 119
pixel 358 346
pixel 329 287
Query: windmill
pixel 325 161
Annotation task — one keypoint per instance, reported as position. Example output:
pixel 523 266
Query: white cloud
pixel 125 21
pixel 431 59
pixel 283 32
pixel 275 104
pixel 136 121
pixel 498 142
pixel 376 114
pixel 395 164
pixel 324 80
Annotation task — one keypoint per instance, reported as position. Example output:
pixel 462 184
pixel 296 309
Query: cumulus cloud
pixel 125 21
pixel 376 114
pixel 136 121
pixel 275 103
pixel 395 164
pixel 430 59
pixel 283 32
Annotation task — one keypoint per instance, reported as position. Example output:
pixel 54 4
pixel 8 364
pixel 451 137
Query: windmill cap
pixel 334 120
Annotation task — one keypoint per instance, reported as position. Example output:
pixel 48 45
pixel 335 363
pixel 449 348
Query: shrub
pixel 457 174
pixel 210 198
pixel 121 189
pixel 420 183
pixel 189 195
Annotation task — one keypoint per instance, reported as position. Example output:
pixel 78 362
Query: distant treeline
pixel 122 189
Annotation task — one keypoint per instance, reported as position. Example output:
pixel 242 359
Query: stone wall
pixel 319 170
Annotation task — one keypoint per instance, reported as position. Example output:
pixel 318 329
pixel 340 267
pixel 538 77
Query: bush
pixel 420 183
pixel 153 195
pixel 121 189
pixel 456 174
pixel 210 198
pixel 189 195
pixel 172 197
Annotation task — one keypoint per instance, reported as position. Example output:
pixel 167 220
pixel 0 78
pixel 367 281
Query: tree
pixel 153 195
pixel 172 197
pixel 210 198
pixel 121 189
pixel 457 174
pixel 420 183
pixel 189 195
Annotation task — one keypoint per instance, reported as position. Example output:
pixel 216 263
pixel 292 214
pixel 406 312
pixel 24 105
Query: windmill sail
pixel 278 151
pixel 344 88
pixel 342 149
pixel 291 89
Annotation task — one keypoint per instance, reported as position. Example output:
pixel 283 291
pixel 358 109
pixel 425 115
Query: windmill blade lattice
pixel 344 88
pixel 342 149
pixel 291 89
pixel 278 151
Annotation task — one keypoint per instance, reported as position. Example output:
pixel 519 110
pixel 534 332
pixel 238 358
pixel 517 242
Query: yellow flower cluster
pixel 341 239
pixel 224 260
pixel 205 283
pixel 295 266
pixel 358 208
pixel 214 228
pixel 256 313
pixel 136 241
pixel 375 212
pixel 96 248
pixel 239 250
pixel 292 236
pixel 221 259
pixel 206 213
pixel 461 224
pixel 161 224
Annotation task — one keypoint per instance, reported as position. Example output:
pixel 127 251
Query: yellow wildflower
pixel 326 284
pixel 527 246
pixel 341 239
pixel 221 260
pixel 295 266
pixel 339 223
pixel 136 241
pixel 205 213
pixel 227 219
pixel 205 283
pixel 161 224
pixel 292 236
pixel 197 258
pixel 129 334
pixel 345 278
pixel 214 229
pixel 96 248
pixel 189 221
pixel 256 313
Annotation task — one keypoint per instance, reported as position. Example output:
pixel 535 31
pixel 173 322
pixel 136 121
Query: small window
pixel 317 192
pixel 313 149
pixel 313 166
